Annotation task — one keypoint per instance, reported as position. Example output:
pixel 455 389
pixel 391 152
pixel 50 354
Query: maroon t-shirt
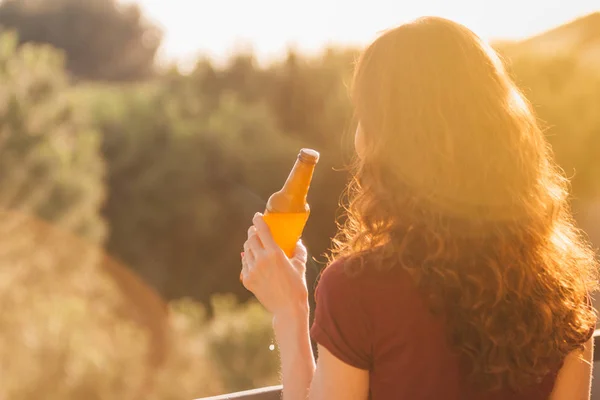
pixel 379 322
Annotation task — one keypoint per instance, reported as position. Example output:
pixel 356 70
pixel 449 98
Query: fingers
pixel 300 252
pixel 245 270
pixel 253 238
pixel 260 250
pixel 248 262
pixel 252 248
pixel 243 265
pixel 264 232
pixel 249 255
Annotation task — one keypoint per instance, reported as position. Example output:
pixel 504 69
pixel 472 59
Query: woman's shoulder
pixel 367 283
pixel 361 312
pixel 335 281
pixel 342 274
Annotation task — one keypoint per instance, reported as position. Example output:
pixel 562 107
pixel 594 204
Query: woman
pixel 459 273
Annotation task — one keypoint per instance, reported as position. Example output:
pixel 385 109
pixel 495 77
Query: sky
pixel 218 27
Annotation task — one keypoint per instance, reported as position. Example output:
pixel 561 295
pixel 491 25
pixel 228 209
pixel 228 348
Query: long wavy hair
pixel 456 184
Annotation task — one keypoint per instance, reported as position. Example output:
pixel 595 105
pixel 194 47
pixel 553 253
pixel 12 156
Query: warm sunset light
pixel 299 199
pixel 269 26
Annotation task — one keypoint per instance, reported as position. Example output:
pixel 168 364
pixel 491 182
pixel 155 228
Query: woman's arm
pixel 575 377
pixel 279 283
pixel 335 379
pixel 330 379
pixel 297 361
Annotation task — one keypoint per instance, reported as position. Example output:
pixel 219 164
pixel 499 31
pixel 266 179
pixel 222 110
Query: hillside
pixel 581 36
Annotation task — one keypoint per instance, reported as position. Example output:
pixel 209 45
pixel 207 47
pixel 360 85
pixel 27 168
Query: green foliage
pixel 50 164
pixel 239 340
pixel 189 371
pixel 226 354
pixel 102 39
pixel 310 98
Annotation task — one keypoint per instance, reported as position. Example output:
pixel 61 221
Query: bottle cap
pixel 309 156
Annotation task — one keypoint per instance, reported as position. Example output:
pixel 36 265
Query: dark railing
pixel 274 392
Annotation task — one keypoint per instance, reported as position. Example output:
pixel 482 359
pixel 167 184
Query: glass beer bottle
pixel 287 210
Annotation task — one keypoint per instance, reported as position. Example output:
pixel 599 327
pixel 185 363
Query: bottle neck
pixel 298 182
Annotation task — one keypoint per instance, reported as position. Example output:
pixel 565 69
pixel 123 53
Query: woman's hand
pixel 278 282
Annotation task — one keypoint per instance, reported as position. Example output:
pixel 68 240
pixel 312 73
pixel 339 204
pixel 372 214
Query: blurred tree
pixel 102 39
pixel 50 164
pixel 309 97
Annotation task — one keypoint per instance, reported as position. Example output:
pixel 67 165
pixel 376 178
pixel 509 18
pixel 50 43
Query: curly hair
pixel 456 184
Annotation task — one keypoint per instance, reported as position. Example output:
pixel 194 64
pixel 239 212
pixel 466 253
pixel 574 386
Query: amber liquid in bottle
pixel 287 210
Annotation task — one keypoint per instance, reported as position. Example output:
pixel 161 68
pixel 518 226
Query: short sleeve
pixel 341 324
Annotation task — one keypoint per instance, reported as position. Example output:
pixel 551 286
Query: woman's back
pixel 379 321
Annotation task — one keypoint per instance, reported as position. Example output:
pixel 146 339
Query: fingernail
pixel 256 215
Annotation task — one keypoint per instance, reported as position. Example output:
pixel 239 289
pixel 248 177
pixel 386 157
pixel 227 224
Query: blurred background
pixel 137 139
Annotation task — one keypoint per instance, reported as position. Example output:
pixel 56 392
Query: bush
pixel 242 346
pixel 189 372
pixel 65 330
pixel 227 353
pixel 50 164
